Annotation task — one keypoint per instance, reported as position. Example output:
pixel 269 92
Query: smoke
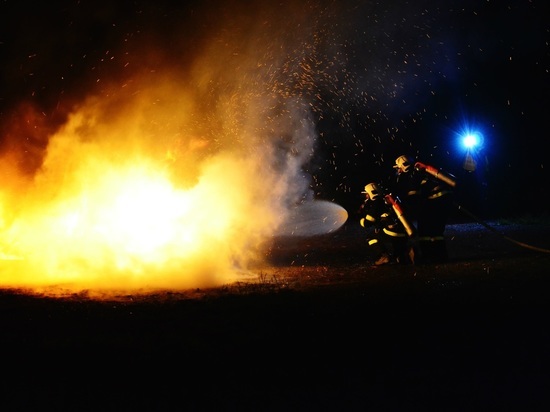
pixel 173 178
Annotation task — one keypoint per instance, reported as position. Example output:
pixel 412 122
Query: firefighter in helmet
pixel 427 195
pixel 389 231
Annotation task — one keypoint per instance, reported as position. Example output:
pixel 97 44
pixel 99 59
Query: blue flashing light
pixel 471 140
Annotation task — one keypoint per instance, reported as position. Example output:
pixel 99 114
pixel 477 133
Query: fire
pixel 133 228
pixel 121 207
pixel 174 171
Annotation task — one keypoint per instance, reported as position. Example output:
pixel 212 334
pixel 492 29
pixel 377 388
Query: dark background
pixel 390 78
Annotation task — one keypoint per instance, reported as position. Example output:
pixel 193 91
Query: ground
pixel 318 329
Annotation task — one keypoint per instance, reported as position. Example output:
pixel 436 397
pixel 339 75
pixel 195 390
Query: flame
pixel 132 227
pixel 171 176
pixel 122 207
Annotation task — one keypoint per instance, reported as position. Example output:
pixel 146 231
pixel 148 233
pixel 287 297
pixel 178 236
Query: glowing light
pixel 470 140
pixel 108 210
pixel 469 136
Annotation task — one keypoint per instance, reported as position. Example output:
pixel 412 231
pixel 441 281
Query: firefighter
pixel 427 195
pixel 389 235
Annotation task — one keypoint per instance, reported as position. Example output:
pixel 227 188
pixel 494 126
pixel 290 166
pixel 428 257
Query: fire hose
pixel 399 213
pixel 437 173
pixel 492 229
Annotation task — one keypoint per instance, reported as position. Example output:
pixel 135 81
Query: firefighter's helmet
pixel 372 191
pixel 403 164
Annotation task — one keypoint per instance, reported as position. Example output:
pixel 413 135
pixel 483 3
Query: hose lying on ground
pixel 481 222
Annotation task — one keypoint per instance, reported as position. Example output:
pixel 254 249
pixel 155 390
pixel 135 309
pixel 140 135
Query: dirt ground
pixel 319 329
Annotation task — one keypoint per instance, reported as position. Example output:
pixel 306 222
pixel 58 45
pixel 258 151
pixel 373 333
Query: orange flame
pixel 110 210
pixel 174 178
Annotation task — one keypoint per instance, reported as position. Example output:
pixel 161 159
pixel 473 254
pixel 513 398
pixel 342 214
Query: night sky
pixel 381 79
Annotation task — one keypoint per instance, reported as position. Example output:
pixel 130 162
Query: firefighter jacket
pixel 423 183
pixel 380 216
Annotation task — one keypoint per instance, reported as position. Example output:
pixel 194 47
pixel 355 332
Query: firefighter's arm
pixel 367 221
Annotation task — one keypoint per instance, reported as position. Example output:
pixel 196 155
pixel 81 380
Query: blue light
pixel 469 143
pixel 469 137
pixel 471 140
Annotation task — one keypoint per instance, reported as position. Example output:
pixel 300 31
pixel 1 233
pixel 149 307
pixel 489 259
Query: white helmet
pixel 372 191
pixel 403 164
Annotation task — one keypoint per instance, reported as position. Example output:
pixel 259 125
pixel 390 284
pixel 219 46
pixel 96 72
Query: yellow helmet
pixel 403 164
pixel 372 191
